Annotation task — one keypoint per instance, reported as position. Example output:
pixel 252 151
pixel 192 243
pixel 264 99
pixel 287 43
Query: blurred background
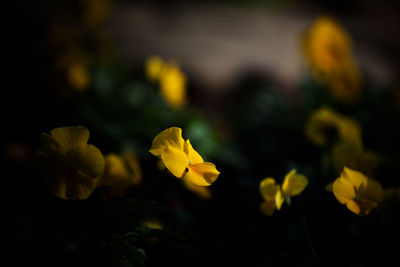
pixel 248 91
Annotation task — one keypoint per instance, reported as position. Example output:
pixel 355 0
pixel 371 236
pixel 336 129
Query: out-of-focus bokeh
pixel 297 104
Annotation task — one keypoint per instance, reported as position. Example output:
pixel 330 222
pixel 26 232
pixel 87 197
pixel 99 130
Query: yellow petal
pixel 201 191
pixel 202 174
pixel 356 178
pixel 366 206
pixel 343 190
pixel 268 188
pixel 268 207
pixel 71 185
pixel 87 159
pixel 69 138
pixel 371 191
pixel 171 137
pixel 353 207
pixel 175 160
pixel 279 199
pixel 133 166
pixel 293 184
pixel 193 156
pixel 79 186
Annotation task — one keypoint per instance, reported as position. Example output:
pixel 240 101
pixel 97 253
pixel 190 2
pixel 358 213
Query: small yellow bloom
pixel 153 67
pixel 69 164
pixel 275 195
pixel 327 48
pixel 121 173
pixel 359 193
pixel 324 120
pixel 181 159
pixel 171 79
pixel 173 86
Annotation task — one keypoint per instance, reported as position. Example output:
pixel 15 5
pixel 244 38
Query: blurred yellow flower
pixel 274 195
pixel 153 66
pixel 172 80
pixel 181 159
pixel 359 193
pixel 173 86
pixel 95 12
pixel 121 173
pixel 78 75
pixel 327 49
pixel 325 121
pixel 70 165
pixel 353 156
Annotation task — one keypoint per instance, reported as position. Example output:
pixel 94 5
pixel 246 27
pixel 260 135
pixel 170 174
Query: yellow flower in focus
pixel 327 48
pixel 325 121
pixel 275 195
pixel 121 173
pixel 70 165
pixel 171 79
pixel 78 76
pixel 359 193
pixel 181 159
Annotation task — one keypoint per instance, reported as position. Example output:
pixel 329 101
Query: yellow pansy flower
pixel 121 172
pixel 181 159
pixel 70 165
pixel 327 49
pixel 325 119
pixel 275 195
pixel 359 193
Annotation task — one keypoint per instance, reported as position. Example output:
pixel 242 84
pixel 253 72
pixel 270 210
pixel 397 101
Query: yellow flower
pixel 349 154
pixel 121 173
pixel 181 159
pixel 153 67
pixel 69 164
pixel 359 193
pixel 327 48
pixel 173 86
pixel 274 195
pixel 324 120
pixel 78 76
pixel 172 81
